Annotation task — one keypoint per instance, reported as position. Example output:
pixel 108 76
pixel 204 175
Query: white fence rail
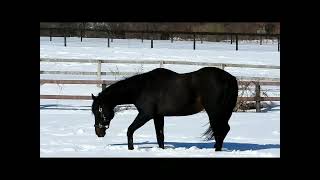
pixel 160 62
pixel 98 61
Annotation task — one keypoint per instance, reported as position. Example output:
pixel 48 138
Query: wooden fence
pixel 160 62
pixel 257 81
pixel 105 83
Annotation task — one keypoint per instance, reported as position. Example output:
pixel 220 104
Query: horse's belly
pixel 187 109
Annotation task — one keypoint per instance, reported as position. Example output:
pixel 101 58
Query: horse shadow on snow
pixel 228 146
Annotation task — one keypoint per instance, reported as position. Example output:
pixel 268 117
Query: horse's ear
pixel 93 97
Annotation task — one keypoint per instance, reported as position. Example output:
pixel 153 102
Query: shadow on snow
pixel 208 145
pixel 64 107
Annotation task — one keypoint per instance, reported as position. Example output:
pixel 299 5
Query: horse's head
pixel 103 113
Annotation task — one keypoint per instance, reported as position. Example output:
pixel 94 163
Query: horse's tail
pixel 208 133
pixel 230 96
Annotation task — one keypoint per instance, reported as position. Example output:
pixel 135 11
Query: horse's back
pixel 162 72
pixel 212 76
pixel 214 73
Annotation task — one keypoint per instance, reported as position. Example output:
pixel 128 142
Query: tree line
pixel 118 29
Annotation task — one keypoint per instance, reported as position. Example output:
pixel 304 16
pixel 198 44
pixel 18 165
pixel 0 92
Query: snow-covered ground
pixel 71 133
pixel 66 126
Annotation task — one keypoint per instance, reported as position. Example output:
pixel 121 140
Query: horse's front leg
pixel 158 123
pixel 140 120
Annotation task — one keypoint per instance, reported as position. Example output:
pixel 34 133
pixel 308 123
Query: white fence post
pixel 99 72
pixel 161 64
pixel 222 66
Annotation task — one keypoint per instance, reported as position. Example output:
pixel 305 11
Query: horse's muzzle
pixel 100 132
pixel 101 135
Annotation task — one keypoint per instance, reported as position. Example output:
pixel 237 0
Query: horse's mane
pixel 133 83
pixel 134 79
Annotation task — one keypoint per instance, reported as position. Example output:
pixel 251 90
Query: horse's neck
pixel 121 93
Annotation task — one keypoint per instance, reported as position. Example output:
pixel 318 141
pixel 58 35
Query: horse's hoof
pixel 218 149
pixel 130 148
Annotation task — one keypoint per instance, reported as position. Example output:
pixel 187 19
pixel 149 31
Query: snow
pixel 66 133
pixel 66 126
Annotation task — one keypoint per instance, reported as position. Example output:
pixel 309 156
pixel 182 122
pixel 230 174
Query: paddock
pixel 66 126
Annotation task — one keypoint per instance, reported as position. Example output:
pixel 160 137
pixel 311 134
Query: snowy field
pixel 66 126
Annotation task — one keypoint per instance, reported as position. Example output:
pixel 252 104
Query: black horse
pixel 162 92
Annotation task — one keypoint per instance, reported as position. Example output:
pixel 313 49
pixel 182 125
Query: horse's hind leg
pixel 220 132
pixel 158 123
pixel 218 123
